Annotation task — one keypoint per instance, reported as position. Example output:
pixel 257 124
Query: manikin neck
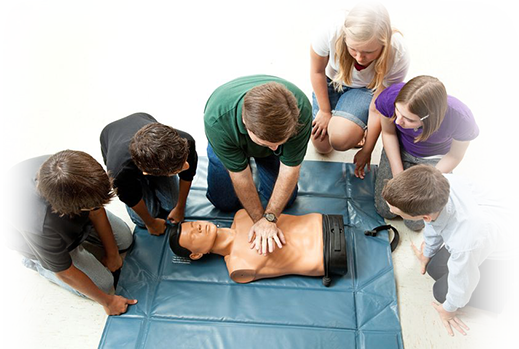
pixel 224 241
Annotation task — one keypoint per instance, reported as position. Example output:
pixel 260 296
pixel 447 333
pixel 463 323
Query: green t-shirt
pixel 228 136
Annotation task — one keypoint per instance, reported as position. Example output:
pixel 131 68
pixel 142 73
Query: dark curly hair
pixel 158 150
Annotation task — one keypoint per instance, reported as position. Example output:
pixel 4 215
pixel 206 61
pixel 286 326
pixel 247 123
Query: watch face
pixel 270 217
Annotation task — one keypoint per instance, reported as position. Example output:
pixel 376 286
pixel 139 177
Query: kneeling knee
pixel 383 209
pixel 343 143
pixel 106 282
pixel 125 241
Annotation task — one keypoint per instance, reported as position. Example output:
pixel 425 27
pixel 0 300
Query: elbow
pixel 373 108
pixel 66 274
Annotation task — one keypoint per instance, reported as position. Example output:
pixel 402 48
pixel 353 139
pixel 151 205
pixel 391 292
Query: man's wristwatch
pixel 271 217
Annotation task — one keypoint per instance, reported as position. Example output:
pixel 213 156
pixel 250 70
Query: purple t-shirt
pixel 458 124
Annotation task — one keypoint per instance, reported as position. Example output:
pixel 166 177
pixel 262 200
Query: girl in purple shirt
pixel 420 124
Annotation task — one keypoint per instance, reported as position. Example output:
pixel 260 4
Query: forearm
pixel 283 189
pixel 463 278
pixel 392 149
pixel 318 79
pixel 448 163
pixel 184 187
pixel 453 158
pixel 143 212
pixel 433 242
pixel 78 280
pixel 104 230
pixel 247 194
pixel 320 87
pixel 374 129
pixel 374 123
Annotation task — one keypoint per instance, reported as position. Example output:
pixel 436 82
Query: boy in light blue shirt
pixel 466 248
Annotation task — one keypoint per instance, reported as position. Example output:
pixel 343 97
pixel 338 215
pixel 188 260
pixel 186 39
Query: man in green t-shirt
pixel 266 118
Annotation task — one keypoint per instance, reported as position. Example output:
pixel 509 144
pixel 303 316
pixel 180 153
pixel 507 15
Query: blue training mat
pixel 196 305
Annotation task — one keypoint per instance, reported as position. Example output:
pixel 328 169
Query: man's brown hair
pixel 158 150
pixel 425 97
pixel 270 112
pixel 419 190
pixel 72 180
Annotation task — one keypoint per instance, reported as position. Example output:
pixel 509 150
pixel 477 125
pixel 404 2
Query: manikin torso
pixel 302 254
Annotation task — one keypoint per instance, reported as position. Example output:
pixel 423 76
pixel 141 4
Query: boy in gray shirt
pixel 57 205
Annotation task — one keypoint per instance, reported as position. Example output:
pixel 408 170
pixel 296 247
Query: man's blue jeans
pixel 220 190
pixel 160 194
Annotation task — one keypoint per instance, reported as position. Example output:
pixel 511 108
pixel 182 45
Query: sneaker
pixel 414 225
pixel 28 263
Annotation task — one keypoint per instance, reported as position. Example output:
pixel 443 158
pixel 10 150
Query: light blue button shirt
pixel 473 226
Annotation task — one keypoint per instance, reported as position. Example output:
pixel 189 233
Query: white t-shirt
pixel 323 43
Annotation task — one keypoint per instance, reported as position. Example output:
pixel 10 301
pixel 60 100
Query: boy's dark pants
pixel 494 287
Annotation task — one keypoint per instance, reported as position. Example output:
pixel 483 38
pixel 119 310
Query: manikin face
pixel 406 119
pixel 198 237
pixel 258 141
pixel 364 52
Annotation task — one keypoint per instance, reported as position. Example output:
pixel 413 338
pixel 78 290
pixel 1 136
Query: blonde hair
pixel 425 97
pixel 364 22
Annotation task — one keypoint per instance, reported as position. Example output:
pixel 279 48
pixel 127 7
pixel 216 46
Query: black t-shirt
pixel 36 231
pixel 115 141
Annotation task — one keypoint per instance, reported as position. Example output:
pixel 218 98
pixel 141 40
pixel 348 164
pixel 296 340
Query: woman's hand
pixel 361 160
pixel 320 125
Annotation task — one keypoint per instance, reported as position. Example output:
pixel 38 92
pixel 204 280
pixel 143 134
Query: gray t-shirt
pixel 36 231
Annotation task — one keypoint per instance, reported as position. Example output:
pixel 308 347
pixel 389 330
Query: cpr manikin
pixel 315 246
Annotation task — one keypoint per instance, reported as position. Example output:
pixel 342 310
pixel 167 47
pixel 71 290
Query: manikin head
pixel 420 192
pixel 270 114
pixel 193 239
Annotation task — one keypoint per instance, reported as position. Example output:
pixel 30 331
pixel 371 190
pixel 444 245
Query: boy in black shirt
pixel 57 204
pixel 144 156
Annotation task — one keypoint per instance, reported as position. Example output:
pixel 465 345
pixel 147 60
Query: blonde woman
pixel 421 124
pixel 352 62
